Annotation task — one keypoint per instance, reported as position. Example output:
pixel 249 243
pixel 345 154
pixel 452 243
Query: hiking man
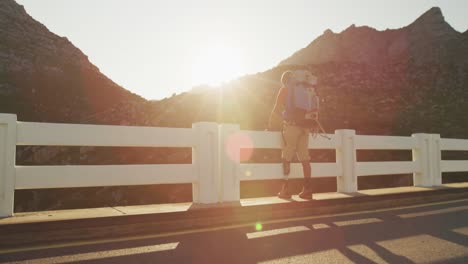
pixel 296 105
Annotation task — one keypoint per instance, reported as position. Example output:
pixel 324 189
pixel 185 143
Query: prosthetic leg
pixel 284 193
pixel 306 192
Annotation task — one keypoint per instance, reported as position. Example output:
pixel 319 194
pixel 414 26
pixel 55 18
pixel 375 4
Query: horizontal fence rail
pixel 273 140
pixel 216 169
pixel 40 134
pixel 454 144
pixel 41 177
pixel 268 171
pixel 386 168
pixel 454 165
pixel 385 142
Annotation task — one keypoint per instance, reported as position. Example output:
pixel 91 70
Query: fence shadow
pixel 333 237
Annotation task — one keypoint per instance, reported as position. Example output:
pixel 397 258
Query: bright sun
pixel 214 64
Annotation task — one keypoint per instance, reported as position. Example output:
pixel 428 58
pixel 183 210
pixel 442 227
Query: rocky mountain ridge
pixel 429 39
pixel 44 77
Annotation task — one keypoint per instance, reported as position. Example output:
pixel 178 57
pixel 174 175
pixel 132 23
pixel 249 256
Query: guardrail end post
pixel 230 162
pixel 421 155
pixel 205 156
pixel 7 163
pixel 346 158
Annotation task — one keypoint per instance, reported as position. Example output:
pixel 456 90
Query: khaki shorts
pixel 295 141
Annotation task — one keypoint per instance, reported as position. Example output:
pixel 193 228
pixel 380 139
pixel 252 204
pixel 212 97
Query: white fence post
pixel 421 154
pixel 346 158
pixel 205 156
pixel 435 155
pixel 229 163
pixel 7 163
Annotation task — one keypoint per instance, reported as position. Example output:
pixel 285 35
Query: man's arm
pixel 275 116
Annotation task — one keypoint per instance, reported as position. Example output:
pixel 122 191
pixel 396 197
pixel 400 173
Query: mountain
pixel 392 82
pixel 400 81
pixel 429 39
pixel 44 77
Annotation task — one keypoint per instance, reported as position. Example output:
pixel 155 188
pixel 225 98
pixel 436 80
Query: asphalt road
pixel 435 233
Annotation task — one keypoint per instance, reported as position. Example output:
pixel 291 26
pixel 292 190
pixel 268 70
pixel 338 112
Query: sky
pixel 157 48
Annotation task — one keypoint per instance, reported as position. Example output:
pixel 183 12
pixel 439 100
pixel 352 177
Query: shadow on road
pixel 396 236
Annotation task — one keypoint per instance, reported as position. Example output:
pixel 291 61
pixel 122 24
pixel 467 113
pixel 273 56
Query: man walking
pixel 296 105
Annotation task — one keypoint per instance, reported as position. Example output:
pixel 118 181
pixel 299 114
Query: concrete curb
pixel 27 234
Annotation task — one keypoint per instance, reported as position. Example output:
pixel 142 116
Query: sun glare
pixel 214 64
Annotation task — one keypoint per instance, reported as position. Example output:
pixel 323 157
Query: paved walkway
pixel 46 216
pixel 435 233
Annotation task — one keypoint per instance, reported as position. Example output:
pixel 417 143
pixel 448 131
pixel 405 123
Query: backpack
pixel 302 102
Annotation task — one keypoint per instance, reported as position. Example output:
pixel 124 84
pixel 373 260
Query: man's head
pixel 286 78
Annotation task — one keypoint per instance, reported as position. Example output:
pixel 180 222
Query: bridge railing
pixel 216 169
pixel 426 164
pixel 202 138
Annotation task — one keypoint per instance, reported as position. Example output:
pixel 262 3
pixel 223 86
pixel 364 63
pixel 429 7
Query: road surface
pixel 434 233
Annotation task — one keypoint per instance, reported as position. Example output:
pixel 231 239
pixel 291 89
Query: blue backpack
pixel 302 102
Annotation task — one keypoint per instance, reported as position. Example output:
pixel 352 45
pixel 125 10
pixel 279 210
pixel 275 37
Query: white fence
pixel 216 169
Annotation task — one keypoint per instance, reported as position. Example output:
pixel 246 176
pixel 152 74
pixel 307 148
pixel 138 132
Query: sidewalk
pixel 86 224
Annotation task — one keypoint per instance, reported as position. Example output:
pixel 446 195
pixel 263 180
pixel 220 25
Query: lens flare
pixel 232 147
pixel 258 226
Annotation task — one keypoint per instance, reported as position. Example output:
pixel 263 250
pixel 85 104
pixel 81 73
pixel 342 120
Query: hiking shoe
pixel 284 193
pixel 306 192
